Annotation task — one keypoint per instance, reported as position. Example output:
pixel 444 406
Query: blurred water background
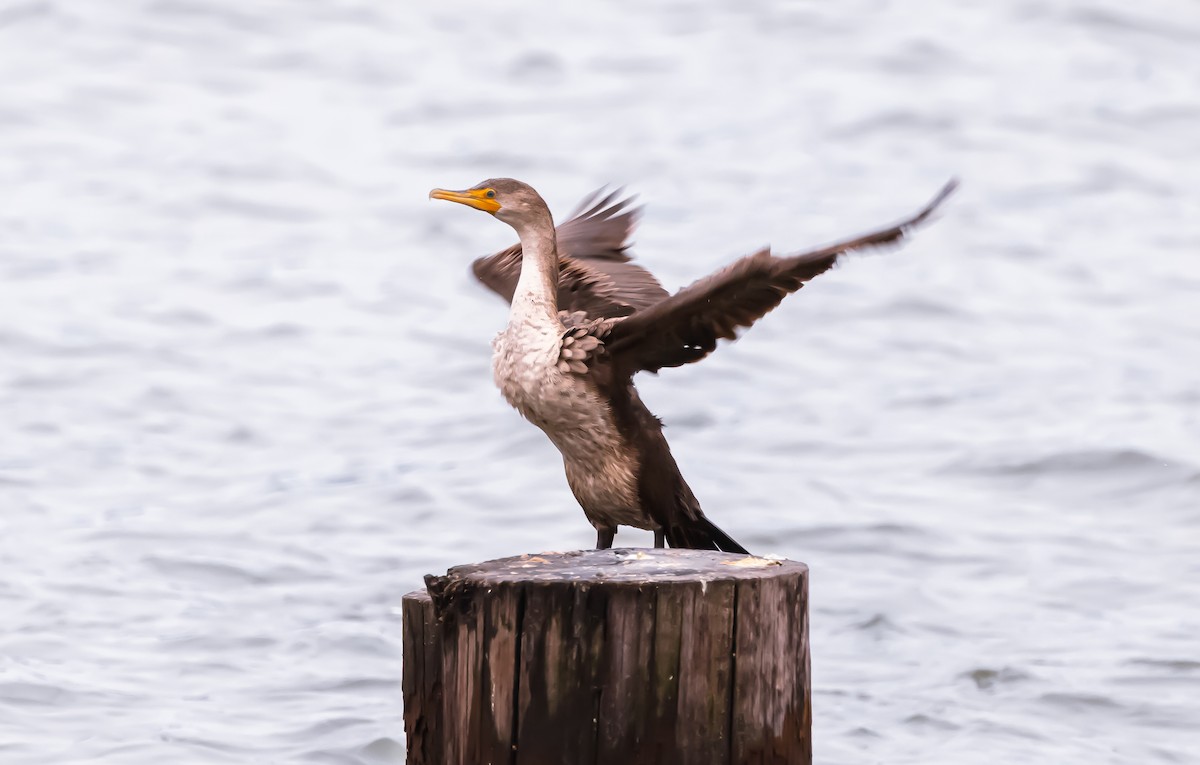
pixel 245 387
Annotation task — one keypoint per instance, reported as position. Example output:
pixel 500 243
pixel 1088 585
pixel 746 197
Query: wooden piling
pixel 610 657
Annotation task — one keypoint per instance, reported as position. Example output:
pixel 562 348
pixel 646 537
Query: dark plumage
pixel 610 319
pixel 596 275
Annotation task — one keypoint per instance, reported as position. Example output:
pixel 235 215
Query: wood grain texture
pixel 422 680
pixel 610 657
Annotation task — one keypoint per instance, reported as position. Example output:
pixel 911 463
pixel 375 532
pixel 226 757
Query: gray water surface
pixel 246 400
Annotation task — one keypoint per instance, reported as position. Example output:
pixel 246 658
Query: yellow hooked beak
pixel 480 199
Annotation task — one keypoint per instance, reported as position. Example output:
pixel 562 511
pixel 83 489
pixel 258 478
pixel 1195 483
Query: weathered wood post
pixel 610 657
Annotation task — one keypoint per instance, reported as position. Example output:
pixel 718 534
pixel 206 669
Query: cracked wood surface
pixel 610 656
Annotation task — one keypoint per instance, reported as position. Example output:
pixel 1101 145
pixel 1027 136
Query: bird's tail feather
pixel 702 534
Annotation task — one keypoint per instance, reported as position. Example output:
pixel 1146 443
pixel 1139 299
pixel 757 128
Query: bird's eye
pixel 491 194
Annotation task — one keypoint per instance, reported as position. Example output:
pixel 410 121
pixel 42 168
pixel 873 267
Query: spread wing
pixel 686 326
pixel 596 275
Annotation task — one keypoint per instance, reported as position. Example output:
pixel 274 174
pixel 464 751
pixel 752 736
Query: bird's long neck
pixel 536 294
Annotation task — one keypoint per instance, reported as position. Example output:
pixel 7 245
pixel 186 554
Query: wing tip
pixel 948 189
pixel 608 202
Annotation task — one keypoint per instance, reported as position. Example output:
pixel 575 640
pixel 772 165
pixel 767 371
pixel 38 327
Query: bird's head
pixel 513 202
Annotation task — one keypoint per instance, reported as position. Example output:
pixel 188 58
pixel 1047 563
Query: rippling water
pixel 245 387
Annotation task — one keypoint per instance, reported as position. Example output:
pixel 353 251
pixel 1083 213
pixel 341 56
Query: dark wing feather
pixel 686 326
pixel 596 275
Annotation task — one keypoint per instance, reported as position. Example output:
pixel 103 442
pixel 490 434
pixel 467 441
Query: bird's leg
pixel 660 538
pixel 604 538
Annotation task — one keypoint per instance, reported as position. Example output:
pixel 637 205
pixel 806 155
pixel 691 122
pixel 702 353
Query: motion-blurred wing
pixel 686 326
pixel 596 275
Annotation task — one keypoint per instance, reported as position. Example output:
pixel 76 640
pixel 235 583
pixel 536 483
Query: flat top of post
pixel 626 565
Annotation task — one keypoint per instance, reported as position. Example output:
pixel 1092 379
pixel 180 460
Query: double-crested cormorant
pixel 584 320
